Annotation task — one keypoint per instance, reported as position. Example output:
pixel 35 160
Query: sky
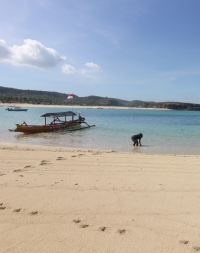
pixel 145 50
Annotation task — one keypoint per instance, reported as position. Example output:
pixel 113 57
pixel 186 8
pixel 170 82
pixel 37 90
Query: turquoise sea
pixel 164 131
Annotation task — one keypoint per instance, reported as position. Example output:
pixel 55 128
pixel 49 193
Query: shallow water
pixel 164 131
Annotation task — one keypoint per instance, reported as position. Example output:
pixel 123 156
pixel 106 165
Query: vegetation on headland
pixel 11 95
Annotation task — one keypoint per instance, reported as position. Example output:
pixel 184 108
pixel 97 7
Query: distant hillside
pixel 11 95
pixel 171 105
pixel 97 101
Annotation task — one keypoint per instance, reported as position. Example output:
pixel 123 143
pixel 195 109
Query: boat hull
pixel 44 128
pixel 16 110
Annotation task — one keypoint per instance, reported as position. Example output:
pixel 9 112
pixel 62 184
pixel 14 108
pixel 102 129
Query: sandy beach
pixel 56 199
pixel 75 106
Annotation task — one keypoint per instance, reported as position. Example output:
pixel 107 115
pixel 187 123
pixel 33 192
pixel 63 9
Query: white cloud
pixel 92 67
pixel 68 69
pixel 35 54
pixel 31 53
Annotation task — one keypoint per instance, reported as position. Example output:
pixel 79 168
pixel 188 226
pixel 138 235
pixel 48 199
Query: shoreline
pixel 90 149
pixel 86 200
pixel 37 147
pixel 76 106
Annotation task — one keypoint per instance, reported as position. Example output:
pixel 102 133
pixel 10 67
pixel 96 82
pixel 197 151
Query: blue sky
pixel 132 49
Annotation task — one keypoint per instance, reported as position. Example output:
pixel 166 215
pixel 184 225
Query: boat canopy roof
pixel 59 114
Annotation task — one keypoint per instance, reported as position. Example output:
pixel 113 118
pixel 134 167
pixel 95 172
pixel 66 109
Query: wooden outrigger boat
pixel 55 125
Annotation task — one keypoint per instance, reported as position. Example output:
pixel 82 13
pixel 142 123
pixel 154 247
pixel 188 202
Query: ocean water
pixel 164 131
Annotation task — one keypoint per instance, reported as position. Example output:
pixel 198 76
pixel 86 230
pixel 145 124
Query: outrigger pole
pixel 81 128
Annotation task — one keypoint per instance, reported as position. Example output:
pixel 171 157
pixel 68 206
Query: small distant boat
pixel 16 109
pixel 99 108
pixel 56 124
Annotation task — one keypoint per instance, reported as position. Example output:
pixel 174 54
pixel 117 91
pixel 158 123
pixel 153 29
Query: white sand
pixel 75 106
pixel 56 200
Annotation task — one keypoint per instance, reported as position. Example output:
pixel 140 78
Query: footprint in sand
pixel 102 228
pixel 2 207
pixel 19 170
pixel 196 248
pixel 97 153
pixel 84 226
pixel 1 174
pixel 17 210
pixel 76 221
pixel 34 213
pixel 27 166
pixel 43 162
pixel 60 158
pixel 121 231
pixel 184 241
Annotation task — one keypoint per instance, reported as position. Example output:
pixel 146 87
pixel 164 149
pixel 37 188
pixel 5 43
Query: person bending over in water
pixel 137 139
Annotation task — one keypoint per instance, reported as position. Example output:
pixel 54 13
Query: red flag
pixel 70 96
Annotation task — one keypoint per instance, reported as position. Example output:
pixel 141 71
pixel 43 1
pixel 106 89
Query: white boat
pixel 15 109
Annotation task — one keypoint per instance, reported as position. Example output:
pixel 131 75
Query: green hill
pixel 11 95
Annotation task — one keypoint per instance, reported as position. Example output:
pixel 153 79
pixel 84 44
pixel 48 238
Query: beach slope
pixel 72 200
